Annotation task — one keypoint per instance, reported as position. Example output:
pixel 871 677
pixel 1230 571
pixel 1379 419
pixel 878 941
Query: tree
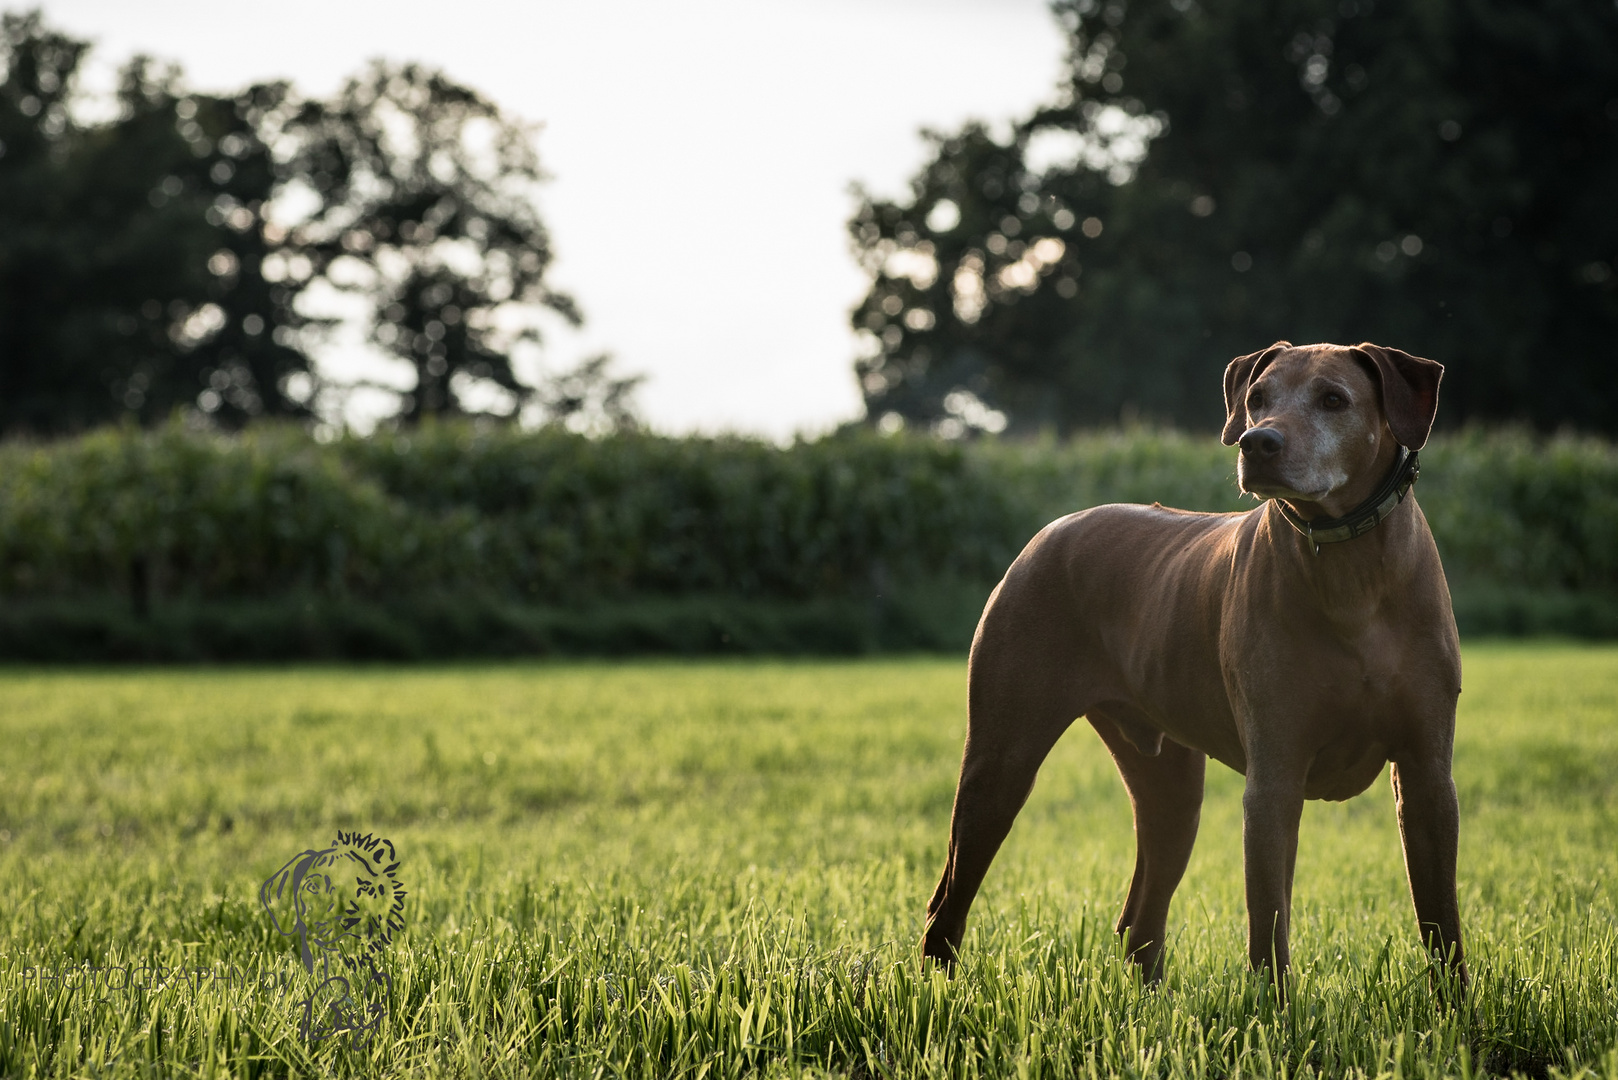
pixel 590 398
pixel 423 207
pixel 129 250
pixel 256 363
pixel 1436 175
pixel 175 256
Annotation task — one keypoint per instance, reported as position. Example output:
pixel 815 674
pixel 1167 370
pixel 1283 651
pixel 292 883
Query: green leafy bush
pixel 403 528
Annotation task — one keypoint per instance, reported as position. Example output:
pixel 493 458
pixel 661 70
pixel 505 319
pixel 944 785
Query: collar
pixel 1364 517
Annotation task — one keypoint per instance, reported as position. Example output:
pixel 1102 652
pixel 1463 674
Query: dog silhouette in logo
pixel 343 903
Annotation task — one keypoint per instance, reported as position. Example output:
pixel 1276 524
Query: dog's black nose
pixel 1261 442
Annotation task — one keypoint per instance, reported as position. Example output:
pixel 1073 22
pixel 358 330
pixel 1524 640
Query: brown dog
pixel 1303 643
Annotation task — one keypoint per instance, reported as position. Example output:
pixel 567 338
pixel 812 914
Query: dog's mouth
pixel 1281 491
pixel 1265 484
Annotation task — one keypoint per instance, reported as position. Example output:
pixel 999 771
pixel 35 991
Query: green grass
pixel 662 869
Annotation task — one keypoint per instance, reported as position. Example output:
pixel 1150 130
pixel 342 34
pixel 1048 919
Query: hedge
pixel 460 539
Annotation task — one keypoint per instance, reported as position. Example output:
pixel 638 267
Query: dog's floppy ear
pixel 1238 374
pixel 1409 391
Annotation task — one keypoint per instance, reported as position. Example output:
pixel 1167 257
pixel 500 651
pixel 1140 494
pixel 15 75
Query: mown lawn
pixel 662 869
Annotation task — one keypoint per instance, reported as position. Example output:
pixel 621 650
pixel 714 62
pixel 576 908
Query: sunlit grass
pixel 675 869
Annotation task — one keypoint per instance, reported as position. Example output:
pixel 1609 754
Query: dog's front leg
pixel 1272 805
pixel 1429 827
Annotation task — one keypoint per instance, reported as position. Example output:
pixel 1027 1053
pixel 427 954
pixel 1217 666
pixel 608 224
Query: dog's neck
pixel 1350 580
pixel 1363 516
pixel 1351 495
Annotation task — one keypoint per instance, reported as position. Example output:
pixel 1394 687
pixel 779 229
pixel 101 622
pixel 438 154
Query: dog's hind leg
pixel 1019 706
pixel 1165 794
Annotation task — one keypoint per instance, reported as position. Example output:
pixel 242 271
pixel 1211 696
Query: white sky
pixel 701 153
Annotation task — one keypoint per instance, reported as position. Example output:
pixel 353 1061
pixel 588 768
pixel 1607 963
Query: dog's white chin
pixel 1279 491
pixel 1321 485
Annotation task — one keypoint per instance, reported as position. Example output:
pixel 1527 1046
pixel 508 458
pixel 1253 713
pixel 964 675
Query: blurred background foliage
pixel 466 538
pixel 162 259
pixel 1435 174
pixel 130 250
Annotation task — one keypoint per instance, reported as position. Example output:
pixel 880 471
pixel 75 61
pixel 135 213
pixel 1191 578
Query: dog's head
pixel 1316 423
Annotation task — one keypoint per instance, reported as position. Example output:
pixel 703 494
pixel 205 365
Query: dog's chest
pixel 1352 717
pixel 1343 769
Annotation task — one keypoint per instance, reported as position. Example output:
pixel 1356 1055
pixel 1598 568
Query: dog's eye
pixel 1255 401
pixel 1333 400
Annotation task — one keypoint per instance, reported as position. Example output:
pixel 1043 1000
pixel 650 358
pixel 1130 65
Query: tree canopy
pixel 1437 175
pixel 129 250
pixel 164 259
pixel 422 194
